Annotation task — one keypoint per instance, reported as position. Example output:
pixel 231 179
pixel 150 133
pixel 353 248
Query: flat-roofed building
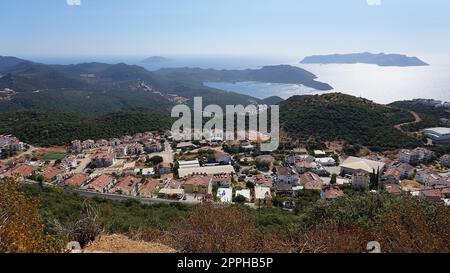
pixel 439 135
pixel 263 196
pixel 353 164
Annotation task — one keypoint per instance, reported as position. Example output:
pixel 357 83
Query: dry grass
pixel 122 244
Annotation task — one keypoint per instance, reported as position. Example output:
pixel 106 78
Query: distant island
pixel 156 59
pixel 380 59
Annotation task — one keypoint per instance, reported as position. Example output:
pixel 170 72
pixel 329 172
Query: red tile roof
pixel 149 186
pixel 101 182
pixel 77 180
pixel 199 180
pixel 126 183
pixel 50 174
pixel 333 193
pixel 22 170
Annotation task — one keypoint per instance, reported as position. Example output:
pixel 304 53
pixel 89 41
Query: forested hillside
pixel 343 117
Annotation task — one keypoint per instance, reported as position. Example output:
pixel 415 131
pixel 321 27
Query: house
pixel 432 194
pixel 343 181
pixel 114 142
pixel 121 149
pixel 303 166
pixel 71 161
pixel 407 170
pixel 425 155
pixel 102 143
pixel 148 188
pixel 135 149
pixel 198 184
pixel 284 190
pixel 171 193
pixel 222 157
pixel 292 159
pixel 102 183
pixel 106 149
pixel 393 189
pixel 423 176
pixel 263 180
pixel 245 193
pixel 88 144
pixel 76 180
pixel 104 160
pixel 285 175
pixel 445 161
pixel 175 184
pixel 21 171
pixel 361 179
pixel 10 143
pixel 331 193
pixel 76 146
pixel 353 164
pixel 326 161
pixel 432 179
pixel 225 195
pixel 222 179
pixel 127 185
pixel 310 181
pixel 164 168
pixel 392 176
pixel 152 147
pixel 408 156
pixel 52 175
pixel 185 145
pixel 144 171
pixel 416 156
pixel 263 196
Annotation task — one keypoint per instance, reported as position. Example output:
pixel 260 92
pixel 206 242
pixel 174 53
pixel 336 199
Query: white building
pixel 326 161
pixel 353 164
pixel 439 135
pixel 225 195
pixel 245 193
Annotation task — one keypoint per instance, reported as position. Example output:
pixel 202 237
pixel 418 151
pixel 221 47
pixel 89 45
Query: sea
pixel 380 84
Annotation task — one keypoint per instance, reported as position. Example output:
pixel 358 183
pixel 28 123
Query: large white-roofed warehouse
pixel 439 135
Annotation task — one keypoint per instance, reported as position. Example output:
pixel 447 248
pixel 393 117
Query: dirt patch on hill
pixel 53 149
pixel 122 244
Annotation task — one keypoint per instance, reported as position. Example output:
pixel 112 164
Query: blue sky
pixel 231 27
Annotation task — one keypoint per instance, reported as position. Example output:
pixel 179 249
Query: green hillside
pixel 342 117
pixel 46 128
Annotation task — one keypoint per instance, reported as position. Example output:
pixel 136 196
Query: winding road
pixel 417 120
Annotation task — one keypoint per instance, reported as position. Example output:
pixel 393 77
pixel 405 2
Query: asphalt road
pixel 116 197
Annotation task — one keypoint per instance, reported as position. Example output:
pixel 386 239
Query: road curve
pixel 417 120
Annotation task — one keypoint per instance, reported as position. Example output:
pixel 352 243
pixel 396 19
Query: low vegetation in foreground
pixel 400 223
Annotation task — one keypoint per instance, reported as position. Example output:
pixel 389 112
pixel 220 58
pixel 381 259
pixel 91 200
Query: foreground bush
pixel 21 229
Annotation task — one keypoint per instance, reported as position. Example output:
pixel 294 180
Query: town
pixel 152 168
